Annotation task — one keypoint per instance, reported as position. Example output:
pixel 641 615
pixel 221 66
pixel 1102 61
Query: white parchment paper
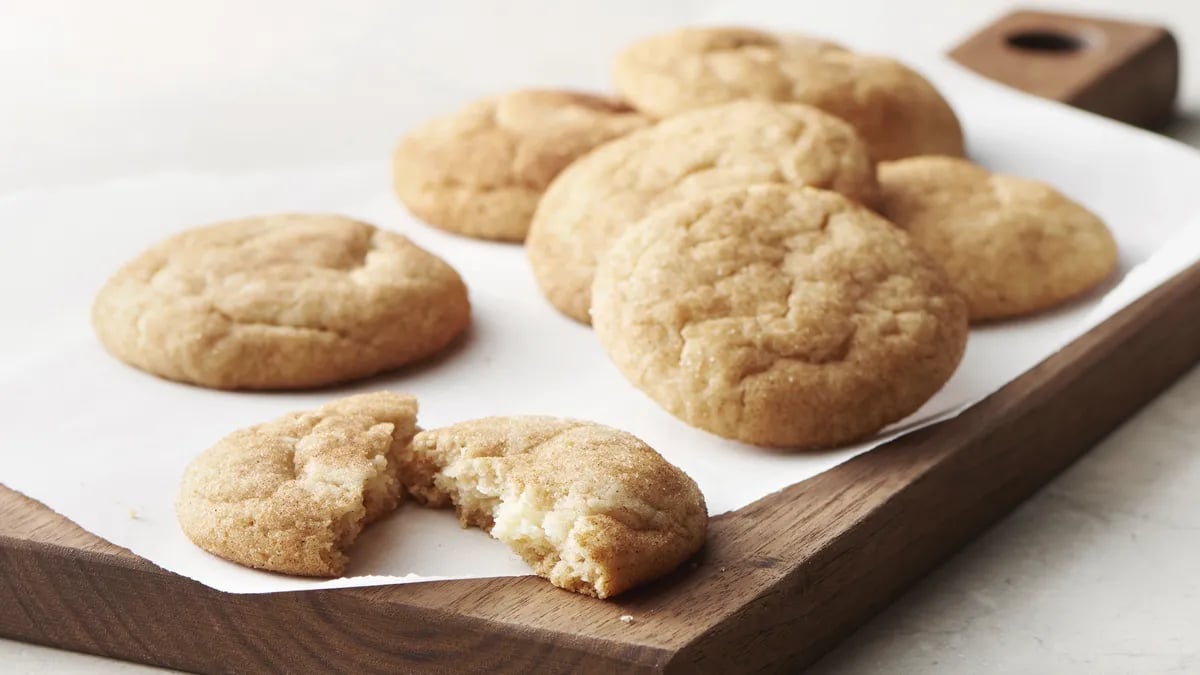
pixel 105 445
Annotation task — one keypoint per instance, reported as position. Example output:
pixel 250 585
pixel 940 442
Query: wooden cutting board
pixel 780 581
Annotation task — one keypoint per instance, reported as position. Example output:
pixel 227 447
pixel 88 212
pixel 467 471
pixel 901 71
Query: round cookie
pixel 738 143
pixel 280 302
pixel 780 316
pixel 1012 246
pixel 292 494
pixel 591 508
pixel 896 111
pixel 480 171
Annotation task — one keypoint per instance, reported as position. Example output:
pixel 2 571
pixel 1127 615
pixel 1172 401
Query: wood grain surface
pixel 778 583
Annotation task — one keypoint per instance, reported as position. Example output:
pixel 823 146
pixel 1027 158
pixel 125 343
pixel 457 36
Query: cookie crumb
pixel 627 618
pixel 133 514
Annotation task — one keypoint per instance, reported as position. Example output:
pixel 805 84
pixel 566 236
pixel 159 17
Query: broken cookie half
pixel 593 509
pixel 290 495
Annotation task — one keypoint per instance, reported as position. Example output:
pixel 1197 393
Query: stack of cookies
pixel 776 238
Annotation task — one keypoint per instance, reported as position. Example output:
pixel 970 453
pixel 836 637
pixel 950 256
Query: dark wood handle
pixel 1126 71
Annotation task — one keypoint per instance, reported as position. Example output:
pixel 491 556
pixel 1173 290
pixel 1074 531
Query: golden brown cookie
pixel 481 170
pixel 739 143
pixel 896 111
pixel 777 315
pixel 280 302
pixel 1012 246
pixel 591 508
pixel 292 494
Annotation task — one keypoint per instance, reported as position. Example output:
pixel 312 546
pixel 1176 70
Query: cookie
pixel 778 315
pixel 591 508
pixel 291 495
pixel 896 111
pixel 1012 246
pixel 280 302
pixel 480 171
pixel 739 143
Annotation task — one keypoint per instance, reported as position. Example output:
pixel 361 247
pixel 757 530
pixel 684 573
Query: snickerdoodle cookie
pixel 777 315
pixel 896 111
pixel 591 508
pixel 1012 246
pixel 280 302
pixel 739 143
pixel 480 171
pixel 292 494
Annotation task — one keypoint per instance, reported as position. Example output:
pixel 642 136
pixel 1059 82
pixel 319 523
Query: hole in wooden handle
pixel 1046 41
pixel 1126 71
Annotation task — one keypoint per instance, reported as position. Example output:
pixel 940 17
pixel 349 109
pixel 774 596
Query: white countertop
pixel 1095 574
